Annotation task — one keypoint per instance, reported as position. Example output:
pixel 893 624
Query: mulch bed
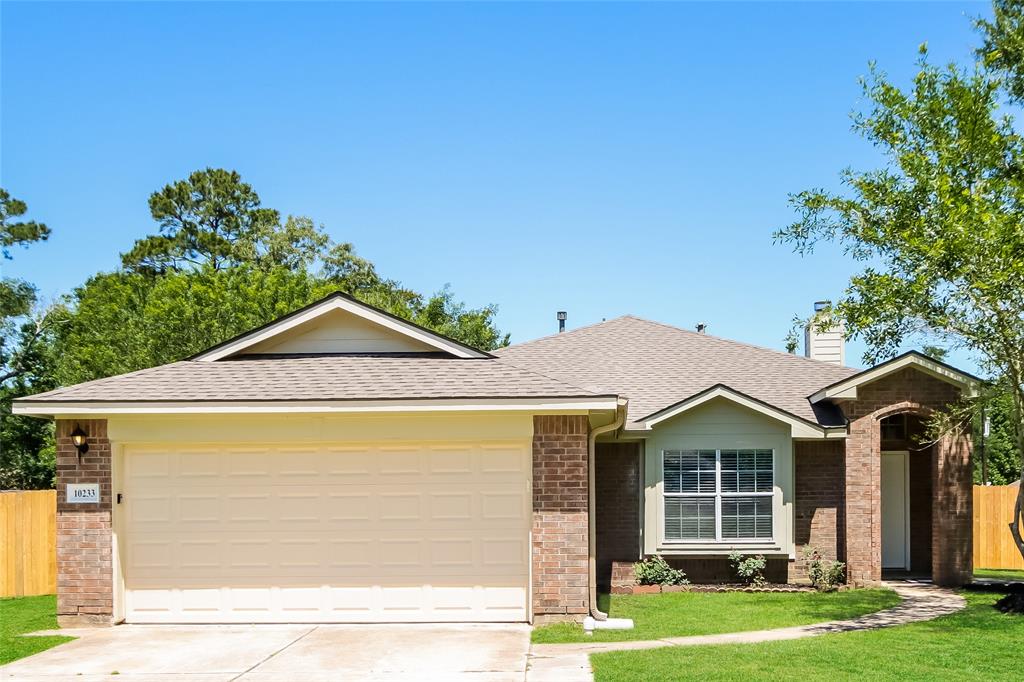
pixel 724 587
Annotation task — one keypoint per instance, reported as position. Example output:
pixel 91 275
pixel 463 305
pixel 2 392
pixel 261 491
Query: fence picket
pixel 28 545
pixel 993 546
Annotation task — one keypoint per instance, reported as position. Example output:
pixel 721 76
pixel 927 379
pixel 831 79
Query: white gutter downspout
pixel 620 418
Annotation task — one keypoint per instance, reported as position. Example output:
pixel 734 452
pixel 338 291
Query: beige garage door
pixel 425 532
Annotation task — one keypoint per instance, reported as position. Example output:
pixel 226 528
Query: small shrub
pixel 826 575
pixel 654 570
pixel 749 569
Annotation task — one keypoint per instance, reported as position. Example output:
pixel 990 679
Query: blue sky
pixel 596 158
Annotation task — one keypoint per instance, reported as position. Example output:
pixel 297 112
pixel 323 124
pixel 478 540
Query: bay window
pixel 715 495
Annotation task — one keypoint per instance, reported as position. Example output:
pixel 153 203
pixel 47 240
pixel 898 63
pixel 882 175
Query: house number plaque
pixel 83 493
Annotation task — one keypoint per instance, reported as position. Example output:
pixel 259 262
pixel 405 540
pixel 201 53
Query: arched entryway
pixel 906 472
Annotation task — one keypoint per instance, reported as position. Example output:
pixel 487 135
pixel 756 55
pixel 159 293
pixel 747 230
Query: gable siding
pixel 339 332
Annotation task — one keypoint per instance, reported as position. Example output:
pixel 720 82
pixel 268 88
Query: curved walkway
pixel 571 662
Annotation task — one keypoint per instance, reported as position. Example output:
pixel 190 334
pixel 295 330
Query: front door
pixel 895 511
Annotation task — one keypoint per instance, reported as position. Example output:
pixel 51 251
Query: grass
pixel 27 614
pixel 676 614
pixel 999 574
pixel 978 643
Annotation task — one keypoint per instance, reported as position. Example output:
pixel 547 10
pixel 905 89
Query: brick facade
pixel 561 566
pixel 617 506
pixel 952 513
pixel 819 502
pixel 914 392
pixel 718 569
pixel 84 566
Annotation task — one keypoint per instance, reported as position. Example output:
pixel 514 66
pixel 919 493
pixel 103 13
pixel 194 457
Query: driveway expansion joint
pixel 275 653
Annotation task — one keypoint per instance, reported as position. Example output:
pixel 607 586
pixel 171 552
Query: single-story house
pixel 344 465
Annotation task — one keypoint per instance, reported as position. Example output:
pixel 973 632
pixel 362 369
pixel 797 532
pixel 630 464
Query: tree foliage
pixel 26 358
pixel 1002 49
pixel 939 228
pixel 1002 458
pixel 220 264
pixel 20 232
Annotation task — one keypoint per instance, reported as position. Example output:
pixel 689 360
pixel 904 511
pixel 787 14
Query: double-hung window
pixel 714 495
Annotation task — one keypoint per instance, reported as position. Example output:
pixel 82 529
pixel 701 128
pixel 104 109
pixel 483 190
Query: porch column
pixel 84 568
pixel 952 526
pixel 561 565
pixel 863 502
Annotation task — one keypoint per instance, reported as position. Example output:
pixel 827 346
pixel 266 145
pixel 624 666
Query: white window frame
pixel 717 495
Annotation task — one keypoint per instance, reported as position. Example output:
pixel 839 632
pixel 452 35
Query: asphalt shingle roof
pixel 652 364
pixel 333 377
pixel 656 365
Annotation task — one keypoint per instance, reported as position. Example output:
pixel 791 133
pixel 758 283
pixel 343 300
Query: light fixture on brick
pixel 78 439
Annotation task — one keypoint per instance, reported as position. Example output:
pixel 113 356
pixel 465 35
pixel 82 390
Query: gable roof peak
pixel 339 300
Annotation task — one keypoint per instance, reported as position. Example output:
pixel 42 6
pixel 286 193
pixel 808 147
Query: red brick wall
pixel 560 533
pixel 718 569
pixel 952 513
pixel 617 506
pixel 911 391
pixel 702 570
pixel 818 501
pixel 84 567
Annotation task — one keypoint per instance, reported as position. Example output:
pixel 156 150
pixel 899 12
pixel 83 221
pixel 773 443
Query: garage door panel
pixel 451 462
pixel 327 533
pixel 289 509
pixel 196 466
pixel 319 603
pixel 200 557
pixel 285 555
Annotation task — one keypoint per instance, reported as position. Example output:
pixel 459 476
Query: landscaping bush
pixel 654 570
pixel 749 569
pixel 826 575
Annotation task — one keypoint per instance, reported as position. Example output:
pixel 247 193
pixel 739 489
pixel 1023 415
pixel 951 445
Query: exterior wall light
pixel 78 439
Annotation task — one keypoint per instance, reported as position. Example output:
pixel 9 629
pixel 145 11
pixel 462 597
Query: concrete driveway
pixel 262 653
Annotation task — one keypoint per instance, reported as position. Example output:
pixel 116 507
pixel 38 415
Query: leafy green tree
pixel 935 352
pixel 124 321
pixel 26 459
pixel 20 329
pixel 214 219
pixel 442 313
pixel 223 264
pixel 21 232
pixel 1002 458
pixel 1003 46
pixel 939 228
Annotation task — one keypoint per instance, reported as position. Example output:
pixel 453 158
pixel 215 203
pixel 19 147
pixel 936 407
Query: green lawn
pixel 976 644
pixel 27 614
pixel 999 574
pixel 677 614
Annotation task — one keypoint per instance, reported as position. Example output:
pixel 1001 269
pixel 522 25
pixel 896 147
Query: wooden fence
pixel 993 509
pixel 28 543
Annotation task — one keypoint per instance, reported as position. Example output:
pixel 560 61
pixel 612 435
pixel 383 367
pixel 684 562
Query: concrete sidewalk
pixel 261 653
pixel 571 662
